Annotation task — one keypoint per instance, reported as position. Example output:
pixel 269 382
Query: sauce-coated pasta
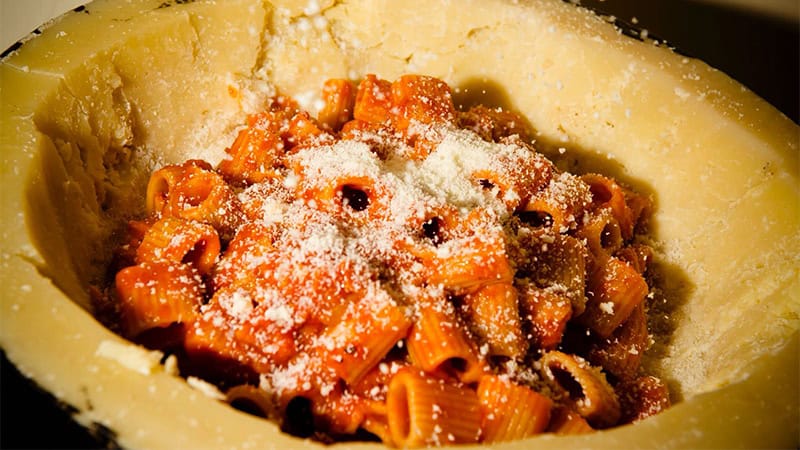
pixel 395 269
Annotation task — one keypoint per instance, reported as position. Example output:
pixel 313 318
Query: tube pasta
pixel 606 193
pixel 559 204
pixel 157 294
pixel 642 397
pixel 545 315
pixel 357 194
pixel 494 315
pixel 362 337
pixel 357 197
pixel 555 262
pixel 614 291
pixel 438 343
pixel 249 254
pixel 494 124
pixel 424 410
pixel 417 103
pixel 159 186
pixel 603 235
pixel 471 258
pixel 203 196
pixel 369 281
pixel 163 180
pixel 256 148
pixel 621 353
pixel 251 399
pixel 511 411
pixel 226 349
pixel 304 132
pixel 637 255
pixel 344 414
pixel 515 177
pixel 178 240
pixel 373 100
pixel 567 421
pixel 583 386
pixel 639 207
pixel 339 96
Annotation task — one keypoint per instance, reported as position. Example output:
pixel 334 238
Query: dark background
pixel 761 52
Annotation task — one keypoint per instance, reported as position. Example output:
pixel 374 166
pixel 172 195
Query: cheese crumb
pixel 130 356
pixel 205 387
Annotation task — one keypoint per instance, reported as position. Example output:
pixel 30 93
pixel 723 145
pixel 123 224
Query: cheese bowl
pixel 114 89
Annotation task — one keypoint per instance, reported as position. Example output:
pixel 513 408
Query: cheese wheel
pixel 109 92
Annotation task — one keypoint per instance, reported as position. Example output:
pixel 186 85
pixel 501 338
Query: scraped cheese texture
pixel 754 146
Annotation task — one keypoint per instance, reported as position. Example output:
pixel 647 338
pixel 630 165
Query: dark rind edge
pixel 37 31
pixel 169 3
pixel 13 48
pixel 103 437
pixel 77 10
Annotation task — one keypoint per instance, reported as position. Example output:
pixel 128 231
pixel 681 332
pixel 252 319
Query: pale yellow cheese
pixel 100 98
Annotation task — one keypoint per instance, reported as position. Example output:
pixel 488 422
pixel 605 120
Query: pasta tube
pixel 423 410
pixel 584 387
pixel 614 290
pixel 256 148
pixel 339 96
pixel 163 180
pixel 178 241
pixel 511 411
pixel 204 196
pixel 362 337
pixel 607 193
pixel 493 314
pixel 157 294
pixel 621 353
pixel 602 233
pixel 438 343
pixel 642 397
pixel 564 420
pixel 559 204
pixel 545 315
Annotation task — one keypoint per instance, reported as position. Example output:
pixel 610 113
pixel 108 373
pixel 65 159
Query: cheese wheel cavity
pixel 104 95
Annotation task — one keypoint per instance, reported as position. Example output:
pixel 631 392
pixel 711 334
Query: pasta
pixel 396 269
pixel 583 387
pixel 511 411
pixel 439 343
pixel 425 410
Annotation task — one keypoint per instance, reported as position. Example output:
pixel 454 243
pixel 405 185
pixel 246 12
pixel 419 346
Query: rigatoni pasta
pixel 424 410
pixel 511 411
pixel 438 343
pixel 398 269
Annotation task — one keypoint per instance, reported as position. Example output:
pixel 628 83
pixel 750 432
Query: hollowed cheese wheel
pixel 104 95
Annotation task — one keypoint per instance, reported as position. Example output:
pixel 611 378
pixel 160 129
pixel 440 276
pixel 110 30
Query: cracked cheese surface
pixel 103 95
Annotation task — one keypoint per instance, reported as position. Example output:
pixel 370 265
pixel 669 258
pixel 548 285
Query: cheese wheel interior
pixel 106 94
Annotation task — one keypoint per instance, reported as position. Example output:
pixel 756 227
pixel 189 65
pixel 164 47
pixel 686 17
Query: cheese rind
pixel 104 95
